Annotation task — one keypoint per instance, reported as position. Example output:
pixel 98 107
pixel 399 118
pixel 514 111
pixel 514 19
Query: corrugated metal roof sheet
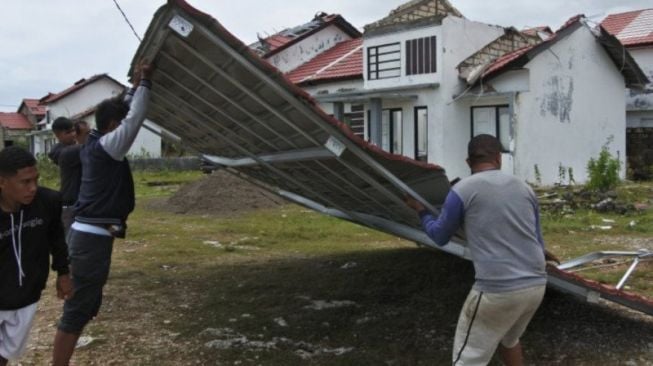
pixel 633 28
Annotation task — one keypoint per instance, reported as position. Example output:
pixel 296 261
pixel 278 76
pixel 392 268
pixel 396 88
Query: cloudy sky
pixel 47 45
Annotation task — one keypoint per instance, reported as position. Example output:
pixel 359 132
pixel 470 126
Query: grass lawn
pixel 288 286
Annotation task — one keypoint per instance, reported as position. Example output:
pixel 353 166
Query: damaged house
pixel 635 31
pixel 424 80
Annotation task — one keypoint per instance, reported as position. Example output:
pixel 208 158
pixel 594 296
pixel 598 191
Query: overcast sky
pixel 47 45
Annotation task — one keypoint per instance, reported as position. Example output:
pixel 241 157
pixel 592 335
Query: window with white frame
pixel 384 62
pixel 392 131
pixel 421 56
pixel 492 120
pixel 421 133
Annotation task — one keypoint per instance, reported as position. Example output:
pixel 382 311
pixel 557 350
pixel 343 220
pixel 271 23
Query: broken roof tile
pixel 633 28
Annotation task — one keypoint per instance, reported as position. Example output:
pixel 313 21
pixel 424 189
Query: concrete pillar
pixel 376 113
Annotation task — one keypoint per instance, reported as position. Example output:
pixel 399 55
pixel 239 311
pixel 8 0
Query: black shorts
pixel 90 259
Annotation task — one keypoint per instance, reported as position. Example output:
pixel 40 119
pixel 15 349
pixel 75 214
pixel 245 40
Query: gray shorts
pixel 488 319
pixel 90 259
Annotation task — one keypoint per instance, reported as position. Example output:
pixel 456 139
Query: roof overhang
pixel 396 93
pixel 633 75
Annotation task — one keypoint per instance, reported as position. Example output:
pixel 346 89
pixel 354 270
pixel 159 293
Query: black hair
pixel 78 124
pixel 483 149
pixel 14 158
pixel 62 124
pixel 114 109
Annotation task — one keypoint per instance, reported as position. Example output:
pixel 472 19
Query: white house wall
pixel 83 99
pixel 401 38
pixel 450 129
pixel 575 104
pixel 512 81
pixel 305 50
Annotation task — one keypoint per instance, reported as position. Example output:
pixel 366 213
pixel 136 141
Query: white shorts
pixel 489 318
pixel 14 331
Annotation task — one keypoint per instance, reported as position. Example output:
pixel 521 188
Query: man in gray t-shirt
pixel 500 216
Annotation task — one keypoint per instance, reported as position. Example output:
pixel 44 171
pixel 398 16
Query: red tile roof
pixel 15 121
pixel 78 85
pixel 342 61
pixel 633 28
pixel 277 41
pixel 35 107
pixel 633 75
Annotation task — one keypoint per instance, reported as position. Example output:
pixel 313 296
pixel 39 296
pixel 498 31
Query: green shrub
pixel 604 171
pixel 48 172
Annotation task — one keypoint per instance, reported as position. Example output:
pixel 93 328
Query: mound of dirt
pixel 223 194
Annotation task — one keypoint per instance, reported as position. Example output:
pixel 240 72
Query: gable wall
pixel 575 104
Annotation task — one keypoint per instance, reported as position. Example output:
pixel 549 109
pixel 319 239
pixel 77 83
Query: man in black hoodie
pixel 30 232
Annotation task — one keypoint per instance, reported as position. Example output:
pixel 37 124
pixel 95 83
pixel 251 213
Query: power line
pixel 127 20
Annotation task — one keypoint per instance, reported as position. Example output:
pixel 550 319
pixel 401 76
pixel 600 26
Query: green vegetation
pixel 604 171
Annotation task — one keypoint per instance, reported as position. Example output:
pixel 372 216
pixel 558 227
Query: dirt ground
pixel 220 194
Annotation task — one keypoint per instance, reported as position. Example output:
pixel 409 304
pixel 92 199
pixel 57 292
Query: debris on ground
pixel 221 194
pixel 227 338
pixel 566 200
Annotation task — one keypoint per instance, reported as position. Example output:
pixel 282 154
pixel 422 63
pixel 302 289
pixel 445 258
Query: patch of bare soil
pixel 220 194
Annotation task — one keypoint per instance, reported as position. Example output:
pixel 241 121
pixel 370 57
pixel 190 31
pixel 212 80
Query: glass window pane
pixel 484 121
pixel 385 130
pixel 421 130
pixel 397 132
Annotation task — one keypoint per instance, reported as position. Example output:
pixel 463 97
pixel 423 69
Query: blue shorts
pixel 90 259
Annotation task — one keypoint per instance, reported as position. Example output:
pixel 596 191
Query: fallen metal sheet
pixel 241 113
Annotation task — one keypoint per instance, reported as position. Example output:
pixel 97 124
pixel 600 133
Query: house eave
pixel 396 93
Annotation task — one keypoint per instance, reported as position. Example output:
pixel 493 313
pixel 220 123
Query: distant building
pixel 14 129
pixel 635 31
pixel 78 102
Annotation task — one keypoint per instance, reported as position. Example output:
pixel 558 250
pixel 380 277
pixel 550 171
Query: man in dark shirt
pixel 105 200
pixel 82 130
pixel 65 154
pixel 64 131
pixel 30 232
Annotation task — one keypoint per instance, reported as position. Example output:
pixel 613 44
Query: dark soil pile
pixel 223 194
